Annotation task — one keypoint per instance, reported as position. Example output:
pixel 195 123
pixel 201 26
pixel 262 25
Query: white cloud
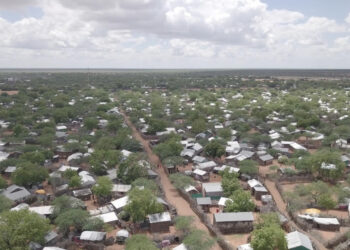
pixel 171 33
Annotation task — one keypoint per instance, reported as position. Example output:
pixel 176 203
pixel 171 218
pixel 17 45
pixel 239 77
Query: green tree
pixel 181 181
pixel 269 237
pixel 18 228
pixel 28 173
pixel 142 203
pixel 249 167
pixel 184 224
pixel 73 218
pixel 326 201
pixel 169 148
pixel 93 224
pixel 229 182
pixel 130 170
pixel 75 181
pixel 64 203
pixel 199 126
pixel 90 123
pixel 3 183
pixel 146 183
pixel 5 203
pixel 214 149
pixel 198 240
pixel 139 242
pixel 103 188
pixel 241 202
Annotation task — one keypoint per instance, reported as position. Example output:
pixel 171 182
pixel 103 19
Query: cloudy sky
pixel 175 33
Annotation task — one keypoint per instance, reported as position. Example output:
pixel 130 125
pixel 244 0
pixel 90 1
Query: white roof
pixel 294 145
pixel 53 248
pixel 20 206
pixel 212 187
pixel 108 217
pixel 208 164
pixel 121 188
pixel 3 155
pixel 121 202
pixel 42 210
pixel 245 247
pixel 296 239
pixel 126 153
pixel 326 221
pixel 123 233
pixel 180 247
pixel 75 156
pixel 62 127
pixel 254 182
pixel 159 217
pixel 190 188
pixel 222 201
pixel 92 236
pixel 199 172
pixel 63 168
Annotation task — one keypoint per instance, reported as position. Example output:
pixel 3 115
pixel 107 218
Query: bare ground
pixel 172 196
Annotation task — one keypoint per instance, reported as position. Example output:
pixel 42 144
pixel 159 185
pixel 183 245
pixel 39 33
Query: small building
pixel 265 159
pixel 259 191
pixel 298 241
pixel 212 189
pixel 120 203
pixel 120 190
pixel 42 210
pixel 201 175
pixel 122 236
pixel 198 159
pixel 245 247
pixel 241 222
pixel 191 190
pixel 222 203
pixel 159 222
pixel 204 203
pixel 327 224
pixel 83 194
pixel 206 166
pixel 110 218
pixel 10 170
pixel 93 236
pixel 16 193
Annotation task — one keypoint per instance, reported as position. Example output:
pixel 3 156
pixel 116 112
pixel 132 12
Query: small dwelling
pixel 222 203
pixel 244 247
pixel 16 193
pixel 159 222
pixel 298 241
pixel 83 194
pixel 201 175
pixel 212 189
pixel 110 218
pixel 327 224
pixel 265 159
pixel 241 222
pixel 93 236
pixel 259 192
pixel 204 203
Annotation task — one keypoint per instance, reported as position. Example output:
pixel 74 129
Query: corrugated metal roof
pixel 234 217
pixel 159 217
pixel 92 236
pixel 296 239
pixel 204 201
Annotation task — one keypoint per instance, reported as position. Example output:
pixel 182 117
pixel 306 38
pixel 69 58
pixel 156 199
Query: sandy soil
pixel 282 207
pixel 171 193
pixel 10 92
pixel 326 236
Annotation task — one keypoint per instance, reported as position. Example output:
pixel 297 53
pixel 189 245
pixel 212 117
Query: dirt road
pixel 282 207
pixel 171 194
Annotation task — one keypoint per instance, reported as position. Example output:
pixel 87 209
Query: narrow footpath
pixel 282 207
pixel 171 194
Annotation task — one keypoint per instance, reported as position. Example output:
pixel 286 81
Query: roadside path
pixel 282 207
pixel 171 194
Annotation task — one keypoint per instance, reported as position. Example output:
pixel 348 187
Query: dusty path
pixel 171 194
pixel 282 207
